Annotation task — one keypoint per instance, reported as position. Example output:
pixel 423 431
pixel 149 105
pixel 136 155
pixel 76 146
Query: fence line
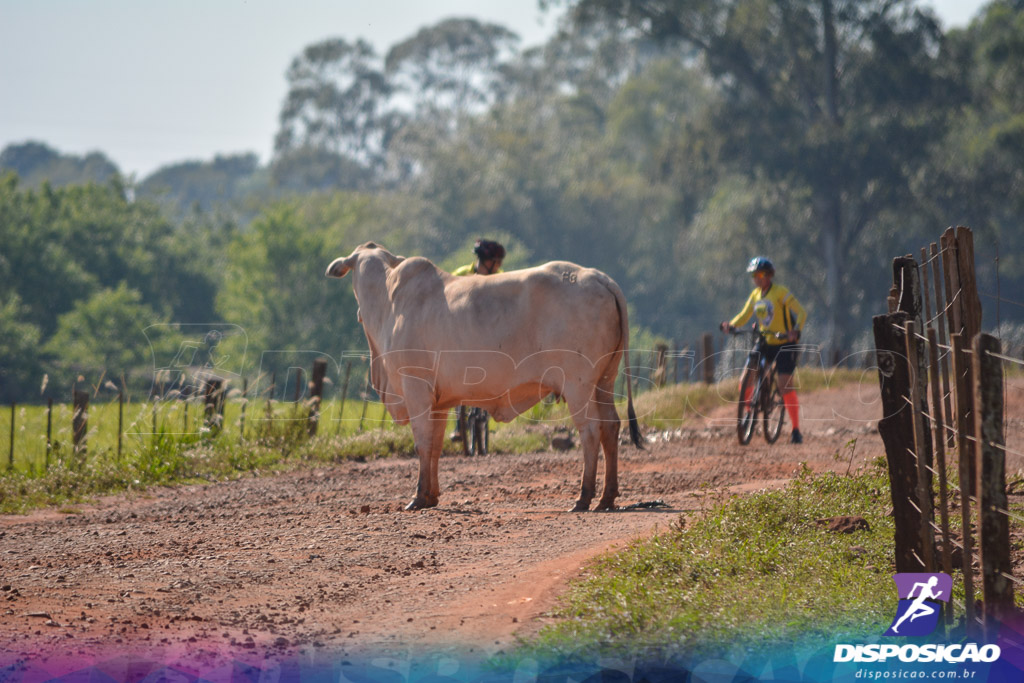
pixel 965 414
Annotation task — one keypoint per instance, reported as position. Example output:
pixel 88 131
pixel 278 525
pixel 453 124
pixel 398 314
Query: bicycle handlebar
pixel 738 331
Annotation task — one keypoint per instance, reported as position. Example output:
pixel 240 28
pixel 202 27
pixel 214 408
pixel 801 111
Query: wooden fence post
pixel 659 377
pixel 49 432
pixel 707 350
pixel 10 454
pixel 922 445
pixel 245 402
pixel 213 399
pixel 897 431
pixel 366 396
pixel 120 421
pixel 940 317
pixel 298 384
pixel 966 475
pixel 344 393
pixel 993 524
pixel 317 391
pixel 80 420
pixel 940 456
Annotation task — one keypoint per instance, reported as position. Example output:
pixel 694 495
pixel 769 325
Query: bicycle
pixel 765 398
pixel 474 426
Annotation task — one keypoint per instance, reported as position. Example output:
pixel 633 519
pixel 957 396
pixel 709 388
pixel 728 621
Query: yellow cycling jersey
pixel 470 270
pixel 776 311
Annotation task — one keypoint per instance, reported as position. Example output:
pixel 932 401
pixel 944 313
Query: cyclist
pixel 777 311
pixel 489 255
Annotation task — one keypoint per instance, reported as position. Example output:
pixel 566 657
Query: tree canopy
pixel 664 142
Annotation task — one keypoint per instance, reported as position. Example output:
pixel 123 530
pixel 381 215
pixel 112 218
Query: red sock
pixel 793 408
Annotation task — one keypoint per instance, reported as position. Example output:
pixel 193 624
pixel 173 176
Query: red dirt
pixel 326 562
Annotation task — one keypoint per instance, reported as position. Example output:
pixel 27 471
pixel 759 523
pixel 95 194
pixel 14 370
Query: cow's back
pixel 556 305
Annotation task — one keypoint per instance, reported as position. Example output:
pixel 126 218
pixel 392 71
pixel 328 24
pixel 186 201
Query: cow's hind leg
pixel 608 419
pixel 591 443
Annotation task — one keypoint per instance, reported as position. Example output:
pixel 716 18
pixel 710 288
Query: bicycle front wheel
pixel 774 410
pixel 481 432
pixel 747 412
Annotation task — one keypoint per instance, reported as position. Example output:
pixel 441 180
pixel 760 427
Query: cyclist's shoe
pixel 797 437
pixel 455 436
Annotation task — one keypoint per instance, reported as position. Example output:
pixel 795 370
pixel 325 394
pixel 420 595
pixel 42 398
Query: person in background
pixel 778 313
pixel 489 255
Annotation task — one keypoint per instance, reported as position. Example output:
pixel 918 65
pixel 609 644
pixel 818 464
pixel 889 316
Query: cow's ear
pixel 340 266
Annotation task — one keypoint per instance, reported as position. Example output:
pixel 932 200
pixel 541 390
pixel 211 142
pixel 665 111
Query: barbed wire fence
pixel 942 389
pixel 192 405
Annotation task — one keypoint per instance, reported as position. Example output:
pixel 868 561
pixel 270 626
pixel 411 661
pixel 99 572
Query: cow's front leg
pixel 428 427
pixel 423 437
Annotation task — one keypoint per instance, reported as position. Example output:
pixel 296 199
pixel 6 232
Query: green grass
pixel 675 406
pixel 183 449
pixel 168 442
pixel 751 575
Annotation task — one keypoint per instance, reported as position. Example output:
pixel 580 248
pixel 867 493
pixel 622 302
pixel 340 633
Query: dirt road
pixel 325 562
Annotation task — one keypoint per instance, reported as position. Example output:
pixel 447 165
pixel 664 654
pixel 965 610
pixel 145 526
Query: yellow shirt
pixel 470 270
pixel 776 311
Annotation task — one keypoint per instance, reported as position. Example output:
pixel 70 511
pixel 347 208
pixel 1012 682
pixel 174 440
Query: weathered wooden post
pixel 80 420
pixel 10 454
pixel 213 400
pixel 49 432
pixel 245 402
pixel 964 317
pixel 316 389
pixel 940 318
pixel 993 524
pixel 660 375
pixel 897 431
pixel 965 470
pixel 707 349
pixel 366 396
pixel 940 457
pixel 120 420
pixel 298 384
pixel 344 393
pixel 922 446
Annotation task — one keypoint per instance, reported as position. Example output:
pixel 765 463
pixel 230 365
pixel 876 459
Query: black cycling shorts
pixel 784 355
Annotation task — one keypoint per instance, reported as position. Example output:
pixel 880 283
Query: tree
pixel 337 102
pixel 452 68
pixel 975 176
pixel 103 335
pixel 20 366
pixel 36 163
pixel 835 96
pixel 224 182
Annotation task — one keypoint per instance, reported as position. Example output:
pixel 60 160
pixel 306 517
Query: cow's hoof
pixel 605 506
pixel 421 503
pixel 581 506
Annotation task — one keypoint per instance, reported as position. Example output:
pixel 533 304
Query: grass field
pixel 167 442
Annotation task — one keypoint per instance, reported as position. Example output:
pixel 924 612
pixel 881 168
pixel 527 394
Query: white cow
pixel 501 342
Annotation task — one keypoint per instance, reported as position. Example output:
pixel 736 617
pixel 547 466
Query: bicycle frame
pixel 765 399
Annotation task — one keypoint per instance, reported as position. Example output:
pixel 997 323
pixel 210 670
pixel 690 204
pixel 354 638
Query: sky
pixel 155 82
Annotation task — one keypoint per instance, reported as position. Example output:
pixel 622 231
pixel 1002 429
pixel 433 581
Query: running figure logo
pixel 920 598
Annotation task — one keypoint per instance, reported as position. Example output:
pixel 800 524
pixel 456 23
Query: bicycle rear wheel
pixel 747 412
pixel 481 432
pixel 774 410
pixel 465 417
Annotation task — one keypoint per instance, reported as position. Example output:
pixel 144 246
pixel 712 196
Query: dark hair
pixel 488 250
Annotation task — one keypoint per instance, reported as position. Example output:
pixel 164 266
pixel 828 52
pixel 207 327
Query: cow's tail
pixel 620 302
